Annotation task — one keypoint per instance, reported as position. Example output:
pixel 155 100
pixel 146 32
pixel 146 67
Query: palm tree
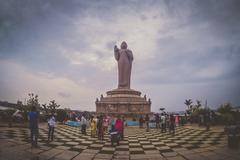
pixel 198 105
pixel 188 102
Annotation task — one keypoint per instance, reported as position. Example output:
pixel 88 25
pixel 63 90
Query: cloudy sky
pixel 63 50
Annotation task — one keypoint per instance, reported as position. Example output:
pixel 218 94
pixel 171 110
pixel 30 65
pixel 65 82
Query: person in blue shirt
pixel 33 125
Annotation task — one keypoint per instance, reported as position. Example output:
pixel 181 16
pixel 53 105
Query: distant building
pixel 4 105
pixel 5 108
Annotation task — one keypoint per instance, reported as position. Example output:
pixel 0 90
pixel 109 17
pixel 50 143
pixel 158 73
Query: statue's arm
pixel 130 55
pixel 116 53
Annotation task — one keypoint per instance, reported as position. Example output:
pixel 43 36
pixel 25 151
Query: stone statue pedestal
pixel 123 100
pixel 126 102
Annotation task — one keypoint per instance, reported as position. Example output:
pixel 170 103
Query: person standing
pixel 147 122
pixel 141 121
pixel 83 125
pixel 112 121
pixel 93 125
pixel 105 123
pixel 119 126
pixel 100 130
pixel 33 125
pixel 51 126
pixel 157 119
pixel 177 119
pixel 163 123
pixel 123 124
pixel 172 124
pixel 207 120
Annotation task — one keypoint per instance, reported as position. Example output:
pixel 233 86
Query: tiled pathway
pixel 69 143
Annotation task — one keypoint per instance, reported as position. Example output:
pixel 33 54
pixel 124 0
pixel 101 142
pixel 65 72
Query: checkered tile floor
pixel 135 141
pixel 69 143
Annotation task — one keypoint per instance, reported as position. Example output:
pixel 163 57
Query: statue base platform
pixel 126 102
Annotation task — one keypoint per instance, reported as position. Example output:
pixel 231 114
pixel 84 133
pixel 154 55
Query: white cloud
pixel 210 72
pixel 19 81
pixel 141 36
pixel 68 54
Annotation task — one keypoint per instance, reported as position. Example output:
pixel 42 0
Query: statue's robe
pixel 124 58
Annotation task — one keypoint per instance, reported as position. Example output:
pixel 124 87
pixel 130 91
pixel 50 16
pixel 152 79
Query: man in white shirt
pixel 163 122
pixel 83 125
pixel 51 126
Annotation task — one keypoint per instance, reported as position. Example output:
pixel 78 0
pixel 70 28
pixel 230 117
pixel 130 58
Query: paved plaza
pixel 189 143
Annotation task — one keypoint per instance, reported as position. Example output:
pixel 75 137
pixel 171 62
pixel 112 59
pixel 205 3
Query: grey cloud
pixel 34 32
pixel 221 20
pixel 64 95
pixel 222 16
pixel 110 45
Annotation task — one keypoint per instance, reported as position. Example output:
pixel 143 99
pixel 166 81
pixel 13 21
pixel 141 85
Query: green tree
pixel 31 101
pixel 188 103
pixel 225 108
pixel 198 105
pixel 196 108
pixel 226 114
pixel 51 107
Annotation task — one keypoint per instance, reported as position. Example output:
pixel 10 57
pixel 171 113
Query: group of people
pixel 104 124
pixel 33 116
pixel 162 122
pixel 99 125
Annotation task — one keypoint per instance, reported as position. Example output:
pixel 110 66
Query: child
pixel 115 137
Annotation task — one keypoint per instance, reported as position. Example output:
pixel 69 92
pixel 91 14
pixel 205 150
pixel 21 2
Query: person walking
pixel 51 126
pixel 147 122
pixel 33 125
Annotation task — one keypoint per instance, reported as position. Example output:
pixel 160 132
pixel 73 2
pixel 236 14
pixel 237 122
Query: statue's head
pixel 124 45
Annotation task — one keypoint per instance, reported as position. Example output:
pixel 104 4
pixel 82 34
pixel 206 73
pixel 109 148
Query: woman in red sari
pixel 119 126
